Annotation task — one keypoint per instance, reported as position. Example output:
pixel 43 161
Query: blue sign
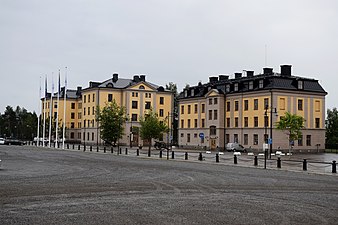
pixel 270 141
pixel 201 135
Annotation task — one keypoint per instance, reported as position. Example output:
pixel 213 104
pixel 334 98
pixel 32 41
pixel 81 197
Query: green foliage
pixel 152 127
pixel 292 124
pixel 332 127
pixel 111 118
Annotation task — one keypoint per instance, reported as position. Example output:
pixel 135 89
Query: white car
pixel 2 141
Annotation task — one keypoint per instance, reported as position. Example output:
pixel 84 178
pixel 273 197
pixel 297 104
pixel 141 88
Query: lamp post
pixel 131 131
pixel 265 135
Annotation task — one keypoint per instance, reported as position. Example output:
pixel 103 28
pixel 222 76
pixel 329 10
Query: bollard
pixel 78 147
pixel 161 154
pixel 84 148
pixel 91 148
pixel 235 159
pixel 97 148
pixel 67 146
pixel 149 153
pixel 256 161
pixel 200 157
pixel 137 152
pixel 186 156
pixel 112 149
pixel 126 151
pixel 279 163
pixel 217 158
pixel 104 149
pixel 304 165
pixel 172 154
pixel 73 146
pixel 120 151
pixel 334 166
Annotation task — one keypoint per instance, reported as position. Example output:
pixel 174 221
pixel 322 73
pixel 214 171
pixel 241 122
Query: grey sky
pixel 183 41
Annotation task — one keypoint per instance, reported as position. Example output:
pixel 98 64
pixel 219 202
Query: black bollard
pixel 161 154
pixel 217 158
pixel 304 165
pixel 172 154
pixel 334 166
pixel 91 148
pixel 235 159
pixel 73 146
pixel 149 153
pixel 120 151
pixel 126 151
pixel 84 148
pixel 279 163
pixel 200 157
pixel 78 147
pixel 186 156
pixel 256 161
pixel 137 152
pixel 67 146
pixel 104 149
pixel 97 148
pixel 112 149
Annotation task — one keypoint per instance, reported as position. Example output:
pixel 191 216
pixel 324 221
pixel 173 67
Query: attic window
pixel 110 85
pixel 186 93
pixel 227 88
pixel 236 87
pixel 141 87
pixel 300 84
pixel 261 83
pixel 251 85
pixel 192 92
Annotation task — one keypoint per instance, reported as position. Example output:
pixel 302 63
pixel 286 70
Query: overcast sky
pixel 180 41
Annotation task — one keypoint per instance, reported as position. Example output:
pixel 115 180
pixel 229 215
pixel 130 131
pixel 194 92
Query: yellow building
pixel 245 109
pixel 136 95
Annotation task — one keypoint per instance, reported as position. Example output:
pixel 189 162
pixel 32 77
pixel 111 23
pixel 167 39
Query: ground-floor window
pixel 308 140
pixel 246 139
pixel 255 139
pixel 188 138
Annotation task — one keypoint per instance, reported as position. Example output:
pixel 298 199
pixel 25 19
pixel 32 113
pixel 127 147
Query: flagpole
pixel 57 114
pixel 38 131
pixel 44 114
pixel 50 114
pixel 64 111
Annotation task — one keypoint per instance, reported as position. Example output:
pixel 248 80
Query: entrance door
pixel 212 144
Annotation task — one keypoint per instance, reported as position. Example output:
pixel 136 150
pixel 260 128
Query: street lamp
pixel 130 131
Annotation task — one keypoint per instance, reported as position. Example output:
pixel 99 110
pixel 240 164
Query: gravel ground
pixel 48 186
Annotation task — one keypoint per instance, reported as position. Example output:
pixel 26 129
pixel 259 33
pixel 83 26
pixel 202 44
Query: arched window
pixel 212 130
pixel 141 87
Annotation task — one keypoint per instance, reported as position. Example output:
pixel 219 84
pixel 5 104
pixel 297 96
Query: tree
pixel 173 88
pixel 292 125
pixel 111 118
pixel 152 127
pixel 332 127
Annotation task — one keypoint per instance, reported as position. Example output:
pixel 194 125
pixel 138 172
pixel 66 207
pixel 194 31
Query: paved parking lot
pixel 49 186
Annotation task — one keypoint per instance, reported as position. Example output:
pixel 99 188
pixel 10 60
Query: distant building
pixel 245 109
pixel 137 95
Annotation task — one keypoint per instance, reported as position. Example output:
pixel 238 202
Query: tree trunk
pixel 149 140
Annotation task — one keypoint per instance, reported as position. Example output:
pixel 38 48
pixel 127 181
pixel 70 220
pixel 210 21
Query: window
pixel 195 135
pixel 88 111
pixel 236 105
pixel 228 106
pixel 72 115
pixel 261 84
pixel 246 105
pixel 228 122
pixel 80 106
pixel 133 117
pixel 227 88
pixel 182 123
pixel 84 123
pixel 92 136
pixel 84 136
pixel 203 123
pixel 210 101
pixel 236 138
pixel 300 84
pixel 255 104
pixel 93 97
pixel 88 136
pixel 255 139
pixel 161 100
pixel 182 135
pixel 93 110
pixel 317 125
pixel 255 121
pixel 55 105
pixel 79 125
pixel 210 114
pixel 266 121
pixel 282 103
pixel 79 136
pixel 161 113
pixel 196 108
pixel 317 106
pixel 236 87
pixel 300 141
pixel 300 104
pixel 88 98
pixel 246 121
pixel 79 116
pixel 110 97
pixel 188 138
pixel 141 87
pixel 251 85
pixel 308 140
pixel 195 123
pixel 227 138
pixel 215 115
pixel 88 123
pixel 246 139
pixel 212 130
pixel 266 103
pixel 188 123
pixel 84 111
pixel 215 101
pixel 182 109
pixel 72 105
pixel 146 95
pixel 84 98
pixel 189 109
pixel 149 95
pixel 133 94
pixel 72 125
pixel 236 121
pixel 148 105
pixel 192 93
pixel 72 135
pixel 203 108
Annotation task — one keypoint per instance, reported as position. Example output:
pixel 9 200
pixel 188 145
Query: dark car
pixel 160 145
pixel 13 142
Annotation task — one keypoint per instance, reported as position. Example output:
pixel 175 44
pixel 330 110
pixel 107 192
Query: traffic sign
pixel 201 135
pixel 270 141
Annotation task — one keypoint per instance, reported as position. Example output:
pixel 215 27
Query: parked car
pixel 2 141
pixel 235 147
pixel 9 141
pixel 160 144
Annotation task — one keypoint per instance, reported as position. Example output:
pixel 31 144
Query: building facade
pixel 245 110
pixel 136 95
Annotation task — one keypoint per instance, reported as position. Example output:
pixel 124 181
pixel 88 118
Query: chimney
pixel 213 79
pixel 79 90
pixel 285 70
pixel 267 71
pixel 238 75
pixel 136 78
pixel 115 77
pixel 143 78
pixel 249 73
pixel 223 77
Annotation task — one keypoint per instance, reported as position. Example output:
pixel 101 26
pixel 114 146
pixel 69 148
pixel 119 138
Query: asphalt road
pixel 44 186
